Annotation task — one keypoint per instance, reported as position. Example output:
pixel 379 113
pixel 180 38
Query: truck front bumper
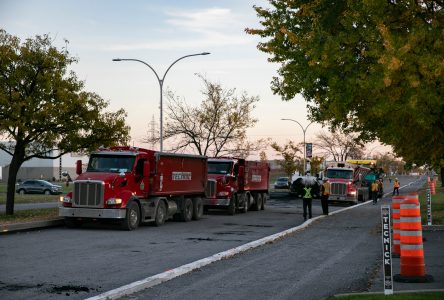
pixel 216 202
pixel 342 198
pixel 93 213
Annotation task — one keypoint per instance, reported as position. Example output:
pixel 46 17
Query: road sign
pixel 387 250
pixel 429 207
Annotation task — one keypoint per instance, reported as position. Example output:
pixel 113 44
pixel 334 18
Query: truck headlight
pixel 65 199
pixel 114 201
pixel 223 194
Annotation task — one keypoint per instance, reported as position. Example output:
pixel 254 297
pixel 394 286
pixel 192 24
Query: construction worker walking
pixel 306 201
pixel 325 193
pixel 396 186
pixel 375 189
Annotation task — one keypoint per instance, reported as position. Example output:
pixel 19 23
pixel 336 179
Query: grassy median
pixel 30 215
pixel 437 205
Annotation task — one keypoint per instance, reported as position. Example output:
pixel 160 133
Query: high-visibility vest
pixel 396 184
pixel 307 192
pixel 374 187
pixel 326 188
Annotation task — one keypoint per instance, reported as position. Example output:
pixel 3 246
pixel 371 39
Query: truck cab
pixel 342 185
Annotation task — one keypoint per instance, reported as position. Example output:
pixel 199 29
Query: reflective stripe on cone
pixel 412 252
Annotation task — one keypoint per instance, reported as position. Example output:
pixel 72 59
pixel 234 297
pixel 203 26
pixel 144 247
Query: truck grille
pixel 210 191
pixel 338 188
pixel 88 193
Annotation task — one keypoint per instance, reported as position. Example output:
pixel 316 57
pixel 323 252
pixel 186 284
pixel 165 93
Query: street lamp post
pixel 303 130
pixel 161 81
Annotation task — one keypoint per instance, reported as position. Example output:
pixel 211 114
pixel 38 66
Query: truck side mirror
pixel 79 167
pixel 146 168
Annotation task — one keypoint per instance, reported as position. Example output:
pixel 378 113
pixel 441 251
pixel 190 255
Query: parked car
pixel 282 183
pixel 38 187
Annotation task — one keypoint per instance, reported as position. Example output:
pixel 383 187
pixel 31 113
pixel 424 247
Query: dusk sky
pixel 159 32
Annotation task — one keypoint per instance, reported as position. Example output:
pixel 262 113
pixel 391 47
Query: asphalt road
pixel 80 263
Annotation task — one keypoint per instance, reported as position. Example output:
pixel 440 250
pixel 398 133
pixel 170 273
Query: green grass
pixel 437 205
pixel 29 215
pixel 400 296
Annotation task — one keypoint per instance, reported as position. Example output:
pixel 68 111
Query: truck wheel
pixel 187 212
pixel 246 204
pixel 264 199
pixel 160 214
pixel 197 208
pixel 232 206
pixel 132 219
pixel 360 198
pixel 257 202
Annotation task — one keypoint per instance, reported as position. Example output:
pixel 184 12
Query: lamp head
pixel 117 59
pixel 205 53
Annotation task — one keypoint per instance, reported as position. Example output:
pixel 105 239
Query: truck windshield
pixel 219 167
pixel 110 163
pixel 344 174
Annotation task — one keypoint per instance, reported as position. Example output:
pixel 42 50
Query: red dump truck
pixel 135 185
pixel 236 184
pixel 347 182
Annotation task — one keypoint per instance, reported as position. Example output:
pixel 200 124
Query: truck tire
pixel 197 208
pixel 132 219
pixel 264 199
pixel 187 212
pixel 257 202
pixel 246 203
pixel 161 214
pixel 232 206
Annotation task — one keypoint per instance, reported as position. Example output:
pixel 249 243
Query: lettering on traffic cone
pixel 412 251
pixel 396 204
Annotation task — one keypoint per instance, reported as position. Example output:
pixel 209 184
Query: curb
pixel 394 293
pixel 5 229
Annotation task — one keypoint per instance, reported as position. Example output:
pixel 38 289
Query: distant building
pixel 37 168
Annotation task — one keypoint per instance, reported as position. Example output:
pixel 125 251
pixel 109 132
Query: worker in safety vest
pixel 375 189
pixel 325 193
pixel 396 186
pixel 380 188
pixel 306 201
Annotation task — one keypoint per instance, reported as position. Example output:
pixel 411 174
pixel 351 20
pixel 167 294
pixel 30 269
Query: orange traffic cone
pixel 412 251
pixel 396 205
pixel 432 187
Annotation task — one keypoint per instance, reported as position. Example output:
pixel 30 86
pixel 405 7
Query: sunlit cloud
pixel 212 27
